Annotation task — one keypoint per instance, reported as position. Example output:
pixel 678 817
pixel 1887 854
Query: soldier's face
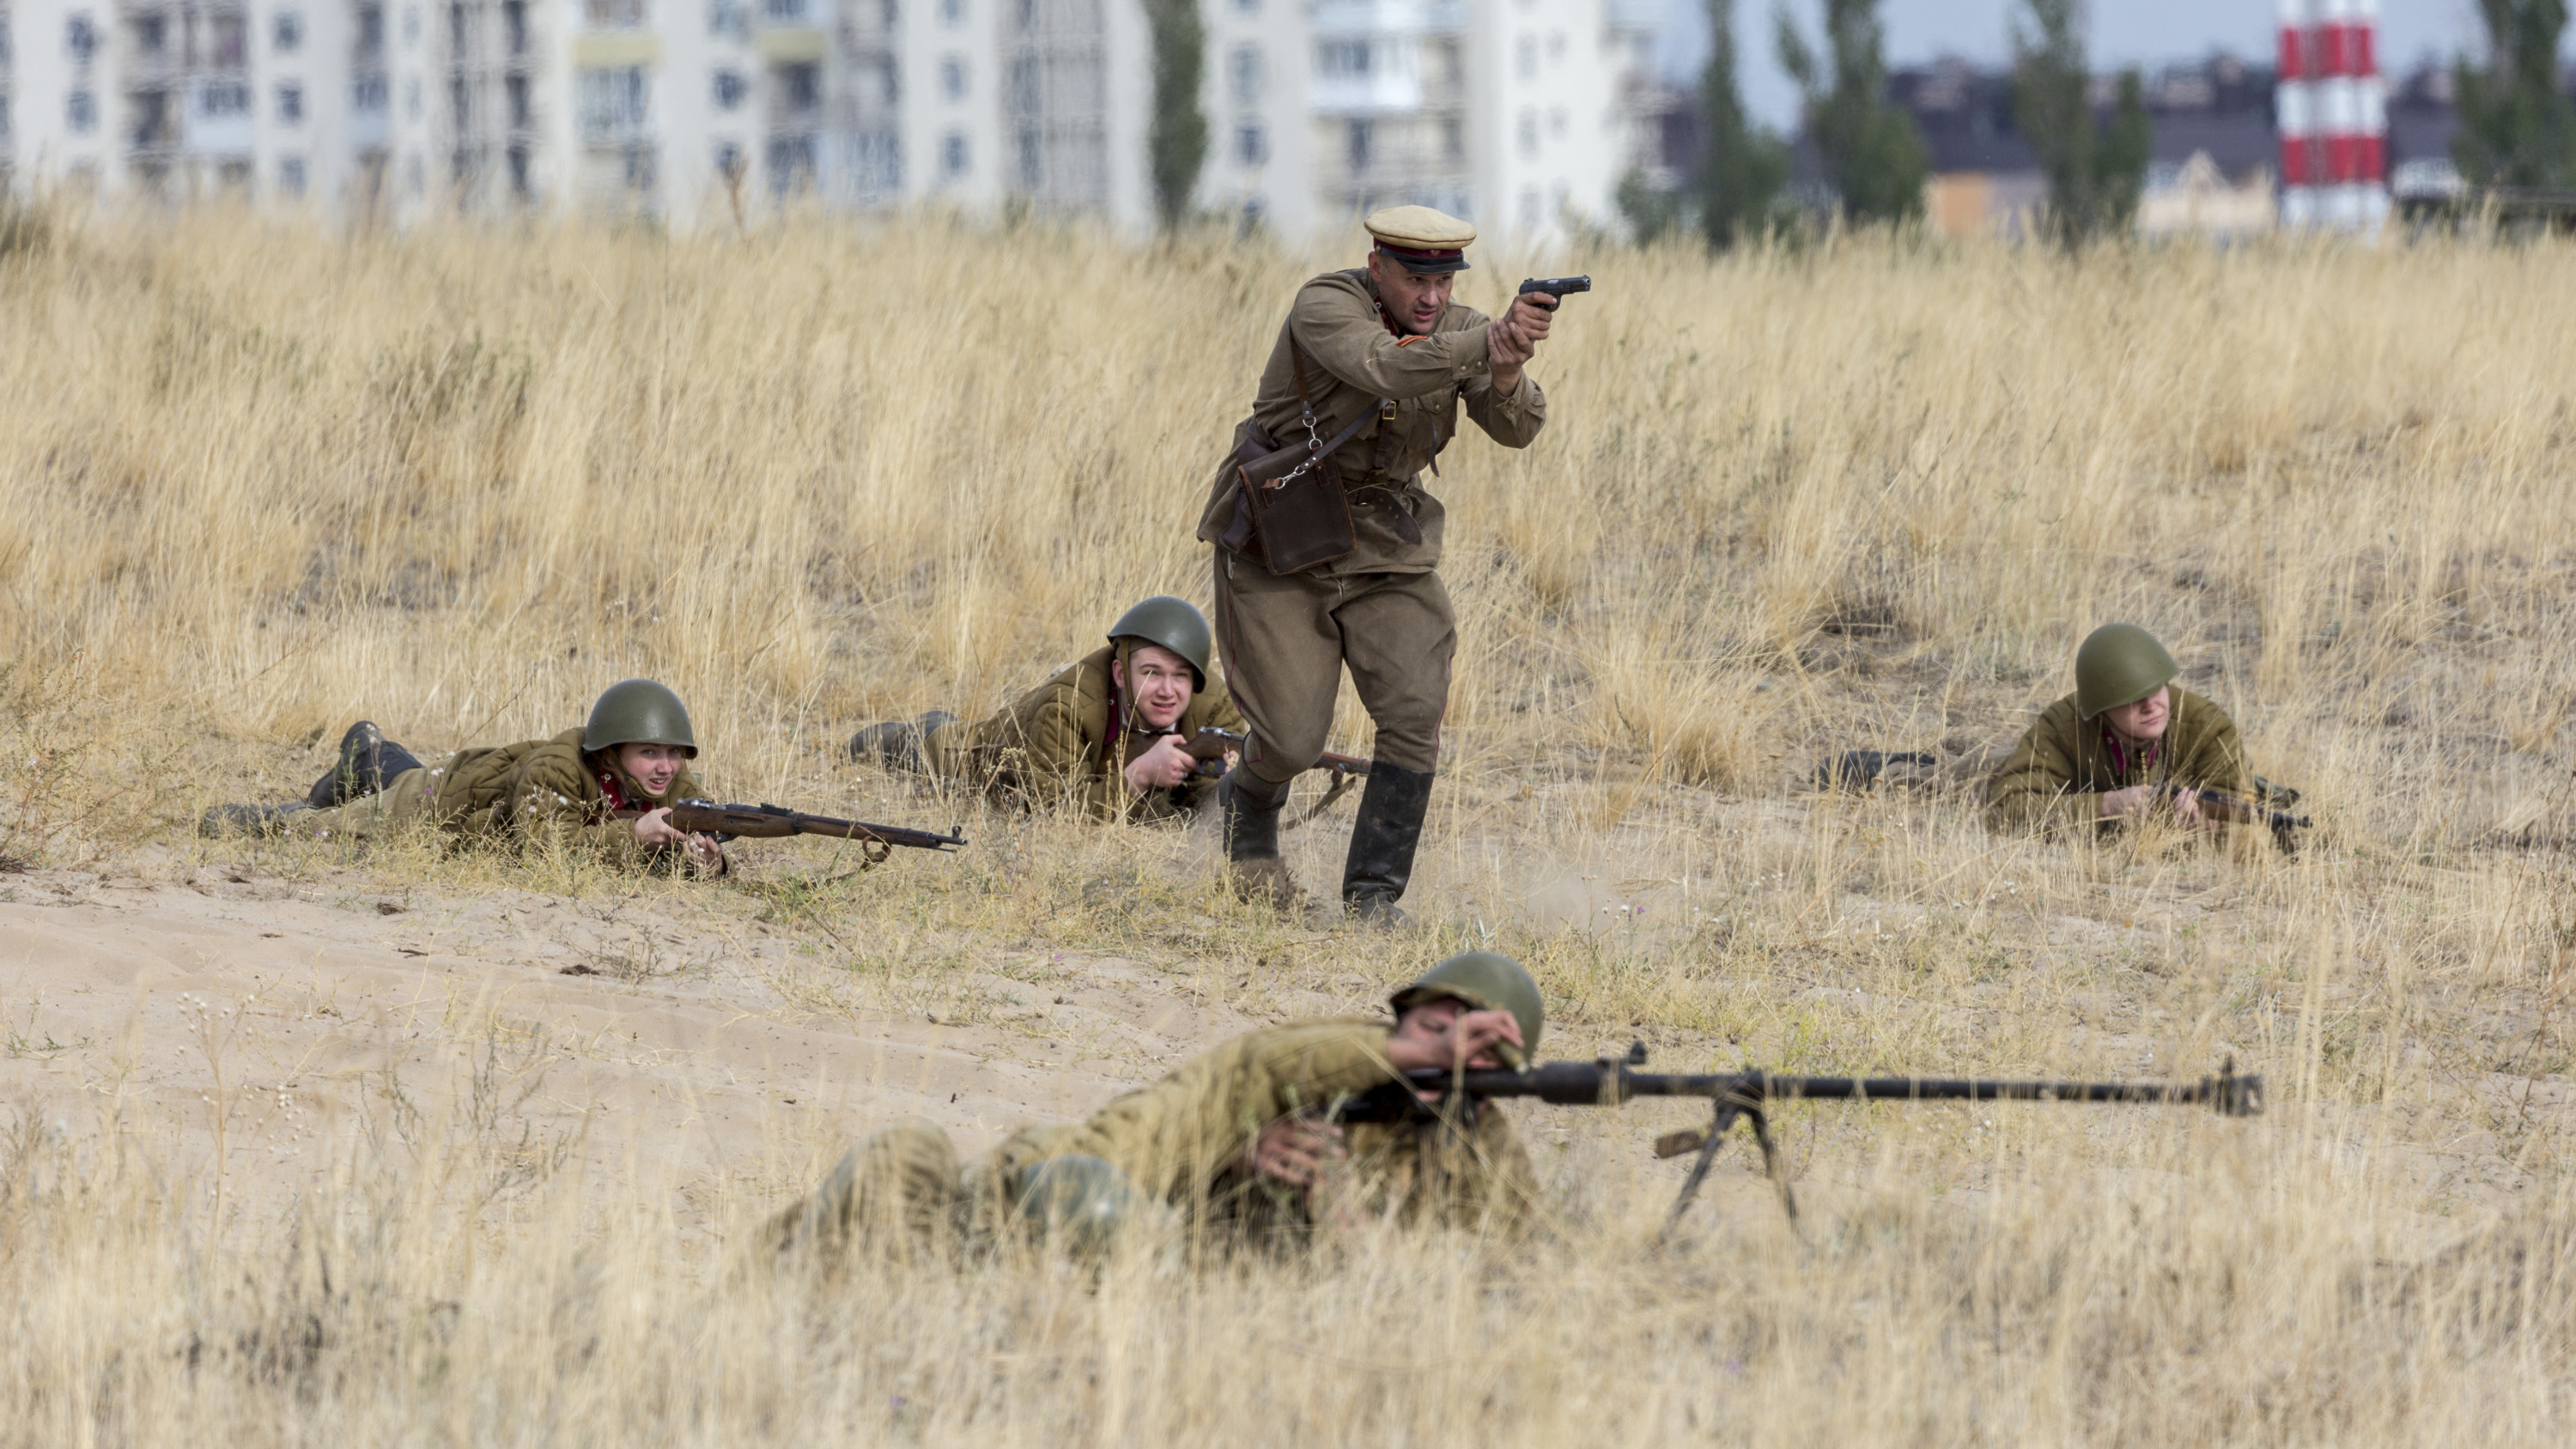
pixel 2145 720
pixel 1414 299
pixel 1162 685
pixel 652 766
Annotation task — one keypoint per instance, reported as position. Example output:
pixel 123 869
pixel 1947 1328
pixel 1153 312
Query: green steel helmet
pixel 1484 980
pixel 1079 1204
pixel 638 712
pixel 2119 664
pixel 1176 624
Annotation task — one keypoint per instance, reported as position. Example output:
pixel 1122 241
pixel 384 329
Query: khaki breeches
pixel 403 802
pixel 1286 640
pixel 898 1193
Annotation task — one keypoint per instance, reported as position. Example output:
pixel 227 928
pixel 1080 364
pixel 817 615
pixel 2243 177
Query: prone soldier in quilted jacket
pixel 1236 1145
pixel 1104 732
pixel 605 787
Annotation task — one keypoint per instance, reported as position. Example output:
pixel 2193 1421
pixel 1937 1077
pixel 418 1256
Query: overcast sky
pixel 2125 32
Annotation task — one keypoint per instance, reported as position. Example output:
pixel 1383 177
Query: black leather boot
pixel 1248 806
pixel 897 745
pixel 367 761
pixel 1382 843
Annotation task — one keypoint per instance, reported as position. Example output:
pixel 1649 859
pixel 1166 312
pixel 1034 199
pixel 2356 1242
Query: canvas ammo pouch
pixel 1292 513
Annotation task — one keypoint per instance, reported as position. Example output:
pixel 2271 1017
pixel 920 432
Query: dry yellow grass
pixel 256 482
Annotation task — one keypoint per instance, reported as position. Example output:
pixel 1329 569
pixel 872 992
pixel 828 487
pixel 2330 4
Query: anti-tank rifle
pixel 1609 1082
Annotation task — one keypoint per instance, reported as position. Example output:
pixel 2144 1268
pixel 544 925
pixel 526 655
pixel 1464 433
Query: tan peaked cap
pixel 1419 228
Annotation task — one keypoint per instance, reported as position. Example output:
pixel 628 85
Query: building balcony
pixel 1372 19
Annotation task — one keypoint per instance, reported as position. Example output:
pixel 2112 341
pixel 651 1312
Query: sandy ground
pixel 661 1040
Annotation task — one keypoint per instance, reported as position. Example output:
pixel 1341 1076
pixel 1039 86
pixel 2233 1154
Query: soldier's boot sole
pixel 1383 842
pixel 367 761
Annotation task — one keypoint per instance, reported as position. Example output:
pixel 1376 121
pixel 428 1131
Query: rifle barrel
pixel 1607 1084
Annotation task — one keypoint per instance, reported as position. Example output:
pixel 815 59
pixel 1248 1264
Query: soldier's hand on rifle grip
pixel 1161 767
pixel 654 827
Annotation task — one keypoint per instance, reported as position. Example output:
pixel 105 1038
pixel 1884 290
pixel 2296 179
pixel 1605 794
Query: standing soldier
pixel 1334 563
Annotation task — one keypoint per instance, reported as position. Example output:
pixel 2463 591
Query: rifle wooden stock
pixel 1211 745
pixel 776 822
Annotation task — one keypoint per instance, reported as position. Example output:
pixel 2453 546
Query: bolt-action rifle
pixel 2220 805
pixel 1609 1081
pixel 776 822
pixel 1211 745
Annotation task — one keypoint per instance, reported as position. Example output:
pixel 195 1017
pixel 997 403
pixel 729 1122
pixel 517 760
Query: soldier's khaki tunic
pixel 2058 774
pixel 536 792
pixel 1182 1140
pixel 1381 610
pixel 1057 742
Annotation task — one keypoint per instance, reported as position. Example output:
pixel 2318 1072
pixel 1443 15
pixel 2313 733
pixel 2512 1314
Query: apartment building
pixel 705 112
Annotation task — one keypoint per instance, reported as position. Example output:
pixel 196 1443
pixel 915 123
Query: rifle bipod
pixel 1708 1141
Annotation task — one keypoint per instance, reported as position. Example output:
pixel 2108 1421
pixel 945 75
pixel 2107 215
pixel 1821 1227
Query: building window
pixel 287 35
pixel 81 112
pixel 223 98
pixel 730 89
pixel 1529 133
pixel 1363 141
pixel 1343 59
pixel 1251 147
pixel 952 156
pixel 605 14
pixel 800 87
pixel 514 23
pixel 80 38
pixel 514 89
pixel 1248 7
pixel 952 13
pixel 613 104
pixel 290 176
pixel 368 94
pixel 519 172
pixel 1526 57
pixel 952 77
pixel 290 103
pixel 1453 138
pixel 787 12
pixel 371 28
pixel 1245 72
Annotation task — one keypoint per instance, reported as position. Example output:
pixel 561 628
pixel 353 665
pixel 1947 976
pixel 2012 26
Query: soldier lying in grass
pixel 2128 741
pixel 1235 1146
pixel 564 792
pixel 1105 730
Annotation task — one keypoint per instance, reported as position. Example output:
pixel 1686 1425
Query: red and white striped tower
pixel 2370 91
pixel 2339 114
pixel 2294 104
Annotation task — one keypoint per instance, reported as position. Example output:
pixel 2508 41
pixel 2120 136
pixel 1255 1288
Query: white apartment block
pixel 1513 113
